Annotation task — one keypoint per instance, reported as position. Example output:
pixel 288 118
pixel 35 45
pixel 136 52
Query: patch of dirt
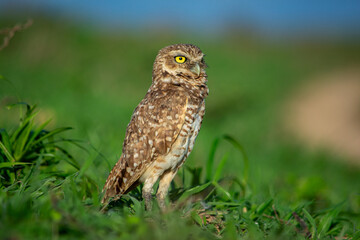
pixel 326 113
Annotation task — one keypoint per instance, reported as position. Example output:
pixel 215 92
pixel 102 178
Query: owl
pixel 163 128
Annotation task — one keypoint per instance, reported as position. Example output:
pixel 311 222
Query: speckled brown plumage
pixel 164 126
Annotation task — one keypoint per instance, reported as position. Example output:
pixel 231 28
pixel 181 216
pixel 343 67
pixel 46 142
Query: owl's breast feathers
pixel 156 124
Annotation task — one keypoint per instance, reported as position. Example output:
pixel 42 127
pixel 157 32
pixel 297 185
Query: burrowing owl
pixel 164 126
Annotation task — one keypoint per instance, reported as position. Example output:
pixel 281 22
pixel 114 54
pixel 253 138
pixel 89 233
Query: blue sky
pixel 267 17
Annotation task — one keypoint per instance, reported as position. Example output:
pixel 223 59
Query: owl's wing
pixel 154 127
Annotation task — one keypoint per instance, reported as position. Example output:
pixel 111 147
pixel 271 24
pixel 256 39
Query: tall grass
pixel 40 199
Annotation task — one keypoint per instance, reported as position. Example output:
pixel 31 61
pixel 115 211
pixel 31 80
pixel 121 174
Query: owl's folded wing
pixel 154 127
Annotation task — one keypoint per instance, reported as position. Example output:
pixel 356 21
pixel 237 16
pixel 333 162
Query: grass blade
pixel 5 139
pixel 211 159
pixel 327 220
pixel 23 122
pixel 220 167
pixel 50 134
pixel 237 145
pixel 70 159
pixel 21 140
pixel 12 164
pixel 35 134
pixel 193 191
pixel 228 204
pixel 7 153
pixel 311 221
pixel 195 216
pixel 222 190
pixel 262 207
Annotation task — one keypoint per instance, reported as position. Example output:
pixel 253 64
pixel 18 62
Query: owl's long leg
pixel 147 189
pixel 163 189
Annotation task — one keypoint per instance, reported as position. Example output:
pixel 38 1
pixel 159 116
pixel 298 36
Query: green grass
pixel 39 192
pixel 246 178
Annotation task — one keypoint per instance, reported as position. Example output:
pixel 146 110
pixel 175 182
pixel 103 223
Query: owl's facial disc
pixel 179 63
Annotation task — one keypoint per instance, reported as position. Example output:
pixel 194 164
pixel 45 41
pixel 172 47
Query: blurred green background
pixel 90 75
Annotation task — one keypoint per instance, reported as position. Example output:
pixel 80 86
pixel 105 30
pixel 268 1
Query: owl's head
pixel 180 60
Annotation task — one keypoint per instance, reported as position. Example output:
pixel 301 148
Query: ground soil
pixel 326 113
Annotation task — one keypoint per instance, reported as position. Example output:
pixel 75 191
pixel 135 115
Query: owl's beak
pixel 196 69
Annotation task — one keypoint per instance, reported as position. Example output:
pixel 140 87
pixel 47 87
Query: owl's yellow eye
pixel 180 59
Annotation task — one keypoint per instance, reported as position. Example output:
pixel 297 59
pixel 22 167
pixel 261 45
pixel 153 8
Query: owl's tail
pixel 112 188
pixel 115 185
